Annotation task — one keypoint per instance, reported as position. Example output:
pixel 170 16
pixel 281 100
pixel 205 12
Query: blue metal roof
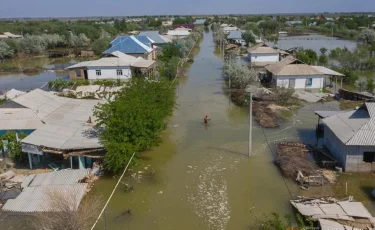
pixel 155 36
pixel 129 44
pixel 236 34
pixel 144 39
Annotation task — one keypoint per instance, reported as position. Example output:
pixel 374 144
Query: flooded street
pixel 203 176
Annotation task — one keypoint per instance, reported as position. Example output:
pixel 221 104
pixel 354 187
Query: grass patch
pixel 345 104
pixel 349 87
pixel 286 114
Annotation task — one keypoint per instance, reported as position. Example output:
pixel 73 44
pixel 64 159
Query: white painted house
pixel 291 73
pixel 263 54
pixel 116 65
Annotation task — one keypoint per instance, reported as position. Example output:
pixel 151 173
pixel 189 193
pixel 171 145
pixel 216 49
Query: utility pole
pixel 250 120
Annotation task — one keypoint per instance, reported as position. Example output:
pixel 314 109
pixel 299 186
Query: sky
pixel 82 8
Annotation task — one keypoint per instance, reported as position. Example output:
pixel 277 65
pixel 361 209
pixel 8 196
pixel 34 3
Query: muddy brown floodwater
pixel 203 176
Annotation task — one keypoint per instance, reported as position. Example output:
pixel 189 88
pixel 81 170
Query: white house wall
pixel 109 73
pixel 349 157
pixel 263 57
pixel 300 83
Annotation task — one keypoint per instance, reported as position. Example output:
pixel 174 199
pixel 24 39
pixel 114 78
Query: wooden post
pixel 335 85
pixel 250 120
pixel 341 82
pixel 71 162
pixel 30 161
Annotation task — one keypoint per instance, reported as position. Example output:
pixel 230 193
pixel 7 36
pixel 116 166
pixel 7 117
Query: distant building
pixel 10 35
pixel 167 23
pixel 294 23
pixel 227 29
pixel 177 34
pixel 350 137
pixel 261 53
pixel 199 22
pixel 188 26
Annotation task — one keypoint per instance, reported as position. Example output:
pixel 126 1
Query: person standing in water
pixel 206 119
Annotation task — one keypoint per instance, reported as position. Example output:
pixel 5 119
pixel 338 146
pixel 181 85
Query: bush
pixel 100 45
pixel 14 145
pixel 284 96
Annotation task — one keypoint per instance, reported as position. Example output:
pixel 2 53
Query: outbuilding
pixel 350 138
pixel 262 53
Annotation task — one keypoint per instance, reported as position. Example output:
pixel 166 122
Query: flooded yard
pixel 314 42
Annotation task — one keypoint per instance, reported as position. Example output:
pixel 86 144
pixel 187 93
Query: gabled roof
pixel 131 44
pixel 327 71
pixel 355 127
pixel 297 70
pixel 115 59
pixel 235 34
pixel 264 50
pixel 155 36
pixel 275 68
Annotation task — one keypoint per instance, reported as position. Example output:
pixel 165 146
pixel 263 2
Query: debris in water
pixel 160 192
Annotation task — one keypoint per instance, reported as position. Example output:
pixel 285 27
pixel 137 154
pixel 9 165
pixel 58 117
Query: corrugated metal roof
pixel 236 34
pixel 130 44
pixel 19 119
pixel 324 114
pixel 13 93
pixel 264 50
pixel 346 125
pixel 41 102
pixel 230 28
pixel 102 62
pixel 355 209
pixel 298 70
pixel 329 225
pixel 37 199
pixel 327 71
pixel 27 180
pixel 275 68
pixel 63 177
pixel 155 36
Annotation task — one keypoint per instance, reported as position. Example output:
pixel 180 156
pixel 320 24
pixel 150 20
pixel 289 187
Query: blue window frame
pixel 308 81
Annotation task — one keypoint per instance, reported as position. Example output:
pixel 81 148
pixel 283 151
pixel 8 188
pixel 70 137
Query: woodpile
pixel 264 115
pixel 292 158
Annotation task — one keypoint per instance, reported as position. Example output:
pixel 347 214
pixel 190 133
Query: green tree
pixel 367 36
pixel 370 85
pixel 14 146
pixel 100 45
pixel 307 56
pixel 5 50
pixel 323 50
pixel 323 60
pixel 169 50
pixel 248 36
pixel 132 122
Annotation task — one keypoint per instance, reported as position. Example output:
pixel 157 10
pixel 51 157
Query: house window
pixel 98 72
pixel 78 72
pixel 119 72
pixel 308 82
pixel 369 157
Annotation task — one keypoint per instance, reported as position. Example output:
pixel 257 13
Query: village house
pixel 185 26
pixel 235 37
pixel 199 22
pixel 10 35
pixel 177 34
pixel 61 130
pixel 292 73
pixel 261 53
pixel 136 46
pixel 167 23
pixel 159 41
pixel 113 66
pixel 349 136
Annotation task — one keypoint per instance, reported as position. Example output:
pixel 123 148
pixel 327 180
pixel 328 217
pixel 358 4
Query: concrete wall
pixel 349 157
pixel 109 73
pixel 283 81
pixel 73 74
pixel 263 57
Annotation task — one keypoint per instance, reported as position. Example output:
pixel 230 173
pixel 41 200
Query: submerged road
pixel 203 176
